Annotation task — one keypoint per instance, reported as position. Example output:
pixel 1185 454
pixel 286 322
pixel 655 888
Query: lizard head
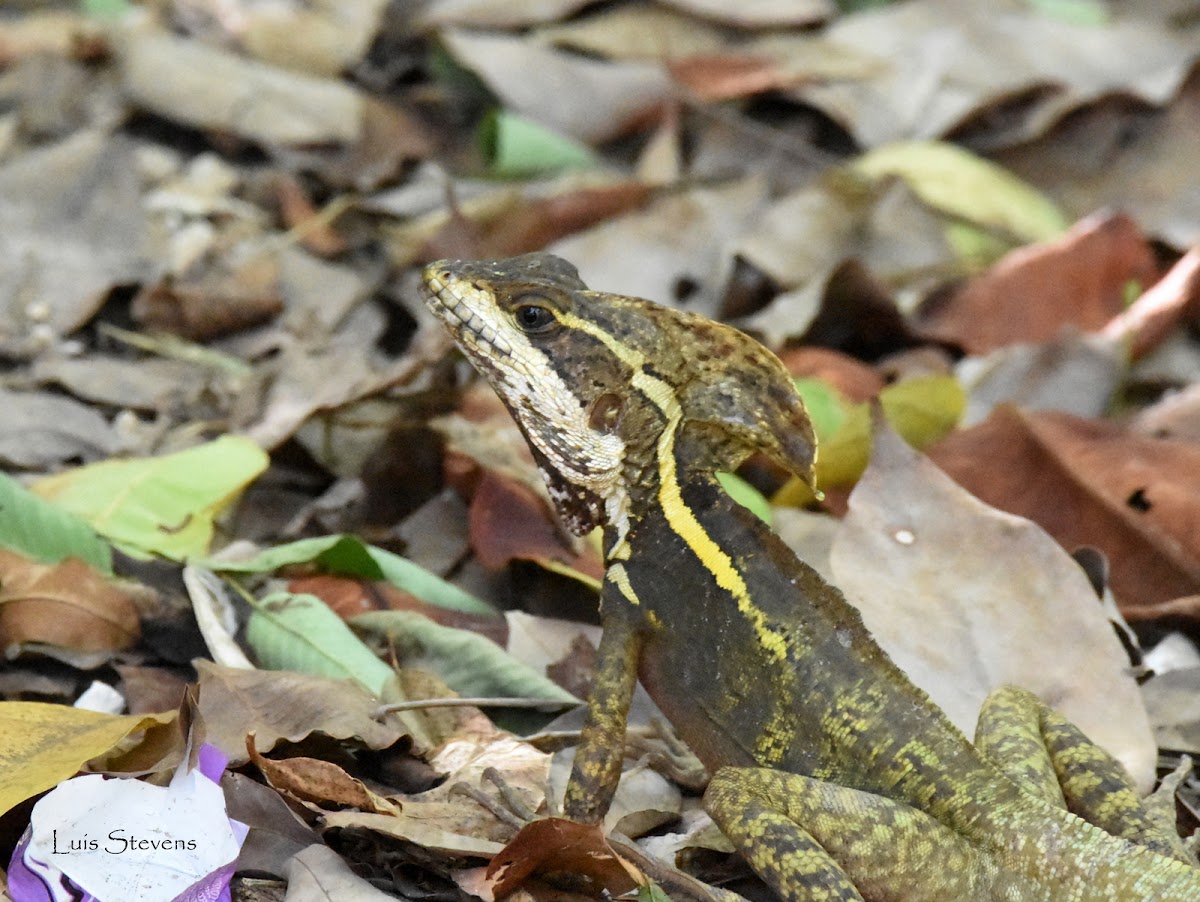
pixel 596 380
pixel 509 318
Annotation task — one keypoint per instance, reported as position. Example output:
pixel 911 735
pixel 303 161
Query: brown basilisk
pixel 833 774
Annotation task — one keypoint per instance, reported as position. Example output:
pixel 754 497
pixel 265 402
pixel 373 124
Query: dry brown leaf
pixel 319 874
pixel 1089 482
pixel 145 383
pixel 52 33
pixel 1116 153
pixel 71 228
pixel 554 845
pixel 319 783
pixel 213 301
pixel 1074 373
pixel 942 64
pixel 849 310
pixel 298 212
pixel 1079 279
pixel 41 429
pixel 324 38
pixel 69 604
pixel 676 249
pixel 420 823
pixel 636 31
pixel 532 226
pixel 591 100
pixel 967 598
pixel 1175 415
pixel 276 832
pixel 496 13
pixel 279 705
pixel 206 87
pixel 805 235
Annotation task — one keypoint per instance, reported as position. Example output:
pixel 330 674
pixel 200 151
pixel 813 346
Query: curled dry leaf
pixel 554 845
pixel 1118 154
pixel 68 604
pixel 1089 482
pixel 320 783
pixel 942 62
pixel 277 705
pixel 1159 310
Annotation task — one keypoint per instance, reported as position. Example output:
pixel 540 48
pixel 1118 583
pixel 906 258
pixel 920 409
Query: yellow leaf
pixel 993 207
pixel 41 745
pixel 159 505
pixel 922 410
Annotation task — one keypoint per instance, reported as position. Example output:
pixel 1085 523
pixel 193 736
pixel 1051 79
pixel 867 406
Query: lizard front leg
pixel 601 751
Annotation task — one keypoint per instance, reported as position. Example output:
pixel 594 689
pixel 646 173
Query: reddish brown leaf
pixel 1159 310
pixel 724 76
pixel 351 597
pixel 1089 482
pixel 68 604
pixel 534 225
pixel 552 845
pixel 508 521
pixel 1079 279
pixel 297 212
pixel 346 597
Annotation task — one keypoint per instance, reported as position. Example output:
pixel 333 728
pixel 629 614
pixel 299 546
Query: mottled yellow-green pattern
pixel 834 776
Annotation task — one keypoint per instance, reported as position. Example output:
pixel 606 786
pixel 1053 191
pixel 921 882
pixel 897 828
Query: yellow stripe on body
pixel 777 735
pixel 620 578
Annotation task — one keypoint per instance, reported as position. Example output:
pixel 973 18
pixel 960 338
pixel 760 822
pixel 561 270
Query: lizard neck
pixel 780 670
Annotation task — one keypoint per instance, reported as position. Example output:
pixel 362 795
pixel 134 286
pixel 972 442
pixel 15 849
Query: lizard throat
pixel 582 467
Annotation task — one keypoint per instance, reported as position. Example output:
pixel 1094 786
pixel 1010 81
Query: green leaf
pixel 159 505
pixel 825 405
pixel 922 410
pixel 45 532
pixel 467 662
pixel 515 146
pixel 345 555
pixel 339 554
pixel 746 495
pixel 968 188
pixel 1073 12
pixel 106 9
pixel 428 587
pixel 652 892
pixel 301 633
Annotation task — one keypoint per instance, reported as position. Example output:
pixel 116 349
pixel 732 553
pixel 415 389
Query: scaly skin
pixel 833 775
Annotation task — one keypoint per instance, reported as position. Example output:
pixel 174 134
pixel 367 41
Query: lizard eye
pixel 534 317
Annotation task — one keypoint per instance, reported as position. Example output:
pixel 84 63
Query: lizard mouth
pixel 448 301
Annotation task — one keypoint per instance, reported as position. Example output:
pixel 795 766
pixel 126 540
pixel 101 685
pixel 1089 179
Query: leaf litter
pixel 214 355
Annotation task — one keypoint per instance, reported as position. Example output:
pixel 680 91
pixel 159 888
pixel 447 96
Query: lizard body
pixel 834 775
